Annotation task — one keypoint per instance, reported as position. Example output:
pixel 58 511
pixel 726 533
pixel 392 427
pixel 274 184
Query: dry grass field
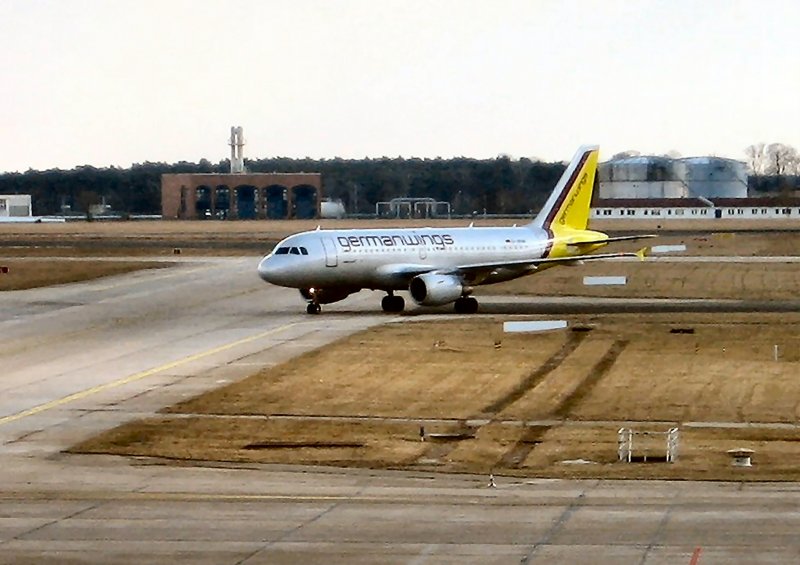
pixel 527 406
pixel 652 279
pixel 24 274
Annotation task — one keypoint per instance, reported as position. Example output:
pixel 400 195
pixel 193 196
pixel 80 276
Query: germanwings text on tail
pixel 442 266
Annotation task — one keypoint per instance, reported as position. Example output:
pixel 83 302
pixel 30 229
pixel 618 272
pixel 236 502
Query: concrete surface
pixel 78 359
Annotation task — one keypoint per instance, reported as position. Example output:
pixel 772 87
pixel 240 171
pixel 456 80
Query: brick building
pixel 241 196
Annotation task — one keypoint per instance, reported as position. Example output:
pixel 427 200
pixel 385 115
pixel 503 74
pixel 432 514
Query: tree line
pixel 497 186
pixel 500 185
pixel 774 167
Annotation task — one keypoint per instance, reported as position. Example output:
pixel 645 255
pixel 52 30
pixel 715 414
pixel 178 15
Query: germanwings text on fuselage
pixel 439 241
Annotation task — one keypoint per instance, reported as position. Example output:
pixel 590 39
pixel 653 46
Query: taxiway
pixel 79 359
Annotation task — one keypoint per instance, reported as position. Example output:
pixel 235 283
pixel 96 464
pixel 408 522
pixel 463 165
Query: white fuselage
pixel 443 265
pixel 375 258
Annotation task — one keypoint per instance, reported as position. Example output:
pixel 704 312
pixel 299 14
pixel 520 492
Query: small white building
pixel 329 208
pixel 695 209
pixel 15 206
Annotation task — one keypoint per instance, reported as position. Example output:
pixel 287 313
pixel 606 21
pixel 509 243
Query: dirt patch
pixel 16 274
pixel 531 405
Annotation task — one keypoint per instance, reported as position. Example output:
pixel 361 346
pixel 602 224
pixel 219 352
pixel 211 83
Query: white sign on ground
pixel 592 281
pixel 667 248
pixel 534 326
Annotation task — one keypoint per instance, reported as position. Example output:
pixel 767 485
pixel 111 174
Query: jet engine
pixel 432 289
pixel 326 295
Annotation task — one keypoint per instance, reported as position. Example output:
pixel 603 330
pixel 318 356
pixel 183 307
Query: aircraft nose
pixel 266 271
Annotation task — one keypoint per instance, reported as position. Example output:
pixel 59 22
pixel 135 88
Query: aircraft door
pixel 423 251
pixel 331 259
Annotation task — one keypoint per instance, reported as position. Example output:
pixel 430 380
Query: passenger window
pixel 294 251
pixel 303 251
pixel 282 251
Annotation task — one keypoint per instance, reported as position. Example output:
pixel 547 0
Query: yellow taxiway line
pixel 140 375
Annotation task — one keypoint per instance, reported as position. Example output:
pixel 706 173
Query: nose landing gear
pixel 313 308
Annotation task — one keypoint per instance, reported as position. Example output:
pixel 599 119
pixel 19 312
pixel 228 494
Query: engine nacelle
pixel 326 295
pixel 432 289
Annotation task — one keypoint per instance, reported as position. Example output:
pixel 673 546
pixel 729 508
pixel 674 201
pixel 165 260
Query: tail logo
pixel 573 196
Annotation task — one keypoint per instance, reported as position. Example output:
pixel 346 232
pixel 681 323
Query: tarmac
pixel 79 359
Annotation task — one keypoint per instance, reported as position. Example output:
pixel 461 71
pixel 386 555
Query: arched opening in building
pixel 276 198
pixel 304 199
pixel 223 202
pixel 182 208
pixel 246 204
pixel 202 201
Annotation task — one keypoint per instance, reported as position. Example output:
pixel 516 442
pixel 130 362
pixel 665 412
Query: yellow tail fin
pixel 567 208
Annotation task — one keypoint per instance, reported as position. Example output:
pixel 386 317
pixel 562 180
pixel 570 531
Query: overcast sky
pixel 117 82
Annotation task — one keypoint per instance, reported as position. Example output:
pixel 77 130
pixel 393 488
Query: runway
pixel 79 359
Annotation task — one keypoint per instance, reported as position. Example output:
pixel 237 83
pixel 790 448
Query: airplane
pixel 438 266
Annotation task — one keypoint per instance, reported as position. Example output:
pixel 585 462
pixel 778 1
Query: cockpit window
pixel 291 251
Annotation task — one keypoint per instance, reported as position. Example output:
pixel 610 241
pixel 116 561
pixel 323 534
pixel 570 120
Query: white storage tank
pixel 641 177
pixel 715 177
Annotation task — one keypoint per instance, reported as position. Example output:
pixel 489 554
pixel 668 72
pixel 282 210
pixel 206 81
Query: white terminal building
pixel 15 206
pixel 644 187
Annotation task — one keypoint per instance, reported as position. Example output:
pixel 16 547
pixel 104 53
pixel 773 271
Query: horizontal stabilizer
pixel 613 239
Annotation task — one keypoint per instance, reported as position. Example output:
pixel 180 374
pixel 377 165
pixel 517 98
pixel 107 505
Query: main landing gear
pixel 313 308
pixel 392 303
pixel 466 305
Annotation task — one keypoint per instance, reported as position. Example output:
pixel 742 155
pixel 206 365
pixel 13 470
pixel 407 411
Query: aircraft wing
pixel 532 264
pixel 403 271
pixel 406 271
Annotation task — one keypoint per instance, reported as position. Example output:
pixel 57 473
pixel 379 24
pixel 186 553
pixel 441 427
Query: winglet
pixel 642 253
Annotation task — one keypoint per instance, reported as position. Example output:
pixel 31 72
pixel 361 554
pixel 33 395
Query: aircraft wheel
pixel 313 308
pixel 393 303
pixel 466 305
